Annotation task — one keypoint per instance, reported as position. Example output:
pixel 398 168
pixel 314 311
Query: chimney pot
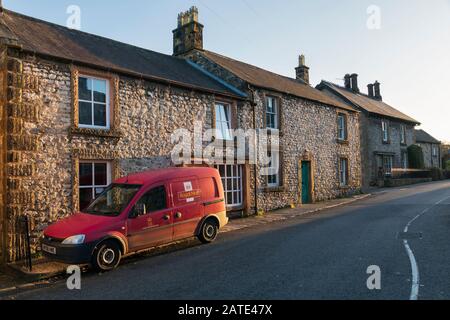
pixel 370 90
pixel 354 82
pixel 347 81
pixel 302 71
pixel 377 90
pixel 189 33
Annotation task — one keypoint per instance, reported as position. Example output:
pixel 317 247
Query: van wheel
pixel 106 256
pixel 209 231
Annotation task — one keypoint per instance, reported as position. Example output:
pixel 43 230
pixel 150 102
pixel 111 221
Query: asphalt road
pixel 324 256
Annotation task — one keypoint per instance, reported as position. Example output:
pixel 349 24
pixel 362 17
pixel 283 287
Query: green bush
pixel 447 165
pixel 437 174
pixel 415 157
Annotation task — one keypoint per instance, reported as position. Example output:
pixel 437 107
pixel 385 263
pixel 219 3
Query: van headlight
pixel 78 239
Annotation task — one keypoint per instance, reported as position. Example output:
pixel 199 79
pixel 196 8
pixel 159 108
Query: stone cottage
pixel 78 111
pixel 431 149
pixel 318 153
pixel 385 132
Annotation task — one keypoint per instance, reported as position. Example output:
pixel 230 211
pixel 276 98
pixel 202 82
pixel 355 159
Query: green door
pixel 306 177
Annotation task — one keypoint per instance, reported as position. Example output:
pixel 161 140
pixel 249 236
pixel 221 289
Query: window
pixel 402 134
pixel 435 151
pixel 93 103
pixel 154 200
pixel 113 200
pixel 232 184
pixel 272 113
pixel 385 129
pixel 404 160
pixel 94 177
pixel 342 126
pixel 387 165
pixel 273 177
pixel 343 172
pixel 223 121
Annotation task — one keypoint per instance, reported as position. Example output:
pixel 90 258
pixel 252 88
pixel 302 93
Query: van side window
pixel 154 200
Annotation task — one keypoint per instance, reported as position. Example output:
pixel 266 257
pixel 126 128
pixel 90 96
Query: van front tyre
pixel 106 256
pixel 209 231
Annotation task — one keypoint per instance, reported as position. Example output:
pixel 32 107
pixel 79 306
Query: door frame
pixel 306 157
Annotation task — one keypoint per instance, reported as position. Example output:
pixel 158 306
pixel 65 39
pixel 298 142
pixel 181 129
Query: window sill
pixel 386 142
pixel 273 189
pixel 340 141
pixel 342 187
pixel 104 133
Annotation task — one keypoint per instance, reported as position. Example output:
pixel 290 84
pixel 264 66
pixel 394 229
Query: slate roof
pixel 53 40
pixel 366 103
pixel 269 80
pixel 423 136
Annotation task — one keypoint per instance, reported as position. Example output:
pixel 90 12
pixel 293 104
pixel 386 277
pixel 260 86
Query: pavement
pixel 301 255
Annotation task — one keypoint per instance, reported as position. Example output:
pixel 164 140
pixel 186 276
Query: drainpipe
pixel 255 178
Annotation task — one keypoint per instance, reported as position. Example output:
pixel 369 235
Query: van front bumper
pixel 68 253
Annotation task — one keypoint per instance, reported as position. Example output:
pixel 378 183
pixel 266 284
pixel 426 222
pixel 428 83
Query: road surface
pixel 322 256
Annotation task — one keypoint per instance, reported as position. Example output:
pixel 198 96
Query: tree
pixel 415 157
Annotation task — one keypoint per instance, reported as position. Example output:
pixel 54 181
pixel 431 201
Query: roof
pixel 423 136
pixel 151 176
pixel 53 40
pixel 366 103
pixel 269 80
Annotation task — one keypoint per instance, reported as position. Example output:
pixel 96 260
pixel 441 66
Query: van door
pixel 151 220
pixel 188 209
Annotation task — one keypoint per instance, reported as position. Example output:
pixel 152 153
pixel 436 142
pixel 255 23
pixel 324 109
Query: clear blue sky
pixel 409 55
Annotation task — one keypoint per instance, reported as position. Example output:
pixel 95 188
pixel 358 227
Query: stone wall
pixel 430 160
pixel 45 148
pixel 307 128
pixel 309 132
pixel 375 144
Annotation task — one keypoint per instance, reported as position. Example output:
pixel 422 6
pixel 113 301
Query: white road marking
pixel 414 267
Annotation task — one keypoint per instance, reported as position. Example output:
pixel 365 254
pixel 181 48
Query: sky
pixel 404 44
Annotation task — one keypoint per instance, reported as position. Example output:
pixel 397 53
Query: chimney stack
pixel 370 90
pixel 189 33
pixel 302 71
pixel 354 82
pixel 347 81
pixel 376 86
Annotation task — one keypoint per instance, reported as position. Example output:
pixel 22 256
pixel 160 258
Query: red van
pixel 140 211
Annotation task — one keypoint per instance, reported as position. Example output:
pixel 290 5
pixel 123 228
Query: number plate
pixel 49 249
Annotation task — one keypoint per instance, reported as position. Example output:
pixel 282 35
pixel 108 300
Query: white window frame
pixel 273 102
pixel 92 102
pixel 343 172
pixel 404 160
pixel 223 126
pixel 385 130
pixel 274 157
pixel 342 128
pixel 236 180
pixel 434 151
pixel 387 165
pixel 402 134
pixel 94 186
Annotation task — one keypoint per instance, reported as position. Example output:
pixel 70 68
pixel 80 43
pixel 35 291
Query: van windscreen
pixel 113 200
